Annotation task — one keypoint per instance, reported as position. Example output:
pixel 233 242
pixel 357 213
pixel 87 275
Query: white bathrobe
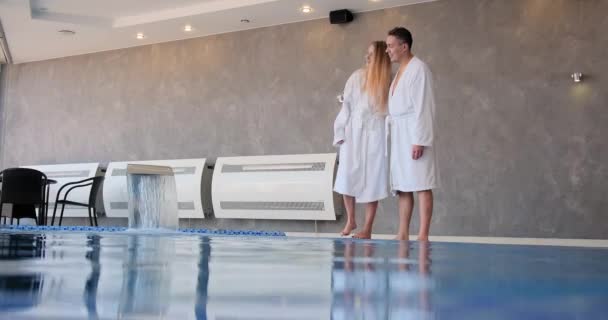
pixel 411 119
pixel 363 169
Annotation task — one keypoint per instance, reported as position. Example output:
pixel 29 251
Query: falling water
pixel 152 197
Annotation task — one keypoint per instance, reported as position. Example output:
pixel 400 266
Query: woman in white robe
pixel 359 131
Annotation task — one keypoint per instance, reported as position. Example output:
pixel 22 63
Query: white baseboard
pixel 591 243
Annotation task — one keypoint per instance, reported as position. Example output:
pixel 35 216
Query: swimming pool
pixel 121 275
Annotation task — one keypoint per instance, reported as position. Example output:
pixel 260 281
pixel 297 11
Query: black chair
pixel 94 183
pixel 25 189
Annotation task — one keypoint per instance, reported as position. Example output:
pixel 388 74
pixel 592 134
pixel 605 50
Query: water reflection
pixel 146 288
pixel 368 282
pixel 19 289
pixel 91 285
pixel 109 276
pixel 410 283
pixel 202 286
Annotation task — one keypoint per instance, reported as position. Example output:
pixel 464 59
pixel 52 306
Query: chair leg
pixel 12 213
pixel 95 217
pixel 61 214
pixel 41 213
pixel 54 212
pixel 46 204
pixel 90 217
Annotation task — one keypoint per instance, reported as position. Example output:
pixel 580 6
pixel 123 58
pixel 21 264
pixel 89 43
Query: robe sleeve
pixel 344 115
pixel 423 100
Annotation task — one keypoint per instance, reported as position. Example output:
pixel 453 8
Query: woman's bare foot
pixel 350 226
pixel 363 235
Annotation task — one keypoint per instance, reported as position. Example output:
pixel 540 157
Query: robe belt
pixel 390 119
pixel 363 119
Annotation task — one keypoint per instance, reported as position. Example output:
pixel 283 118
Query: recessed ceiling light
pixel 306 9
pixel 140 36
pixel 187 28
pixel 577 76
pixel 67 32
pixel 245 20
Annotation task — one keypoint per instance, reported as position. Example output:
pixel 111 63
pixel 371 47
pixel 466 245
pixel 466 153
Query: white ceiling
pixel 31 26
pixel 111 8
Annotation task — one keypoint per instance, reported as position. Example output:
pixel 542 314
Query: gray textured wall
pixel 523 149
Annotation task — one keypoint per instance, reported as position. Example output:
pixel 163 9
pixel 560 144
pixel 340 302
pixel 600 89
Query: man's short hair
pixel 402 34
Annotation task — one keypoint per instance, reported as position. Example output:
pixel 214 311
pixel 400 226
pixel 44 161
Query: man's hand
pixel 340 142
pixel 417 152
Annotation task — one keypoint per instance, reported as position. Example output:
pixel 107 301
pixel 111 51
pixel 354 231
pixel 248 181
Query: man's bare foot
pixel 423 238
pixel 363 235
pixel 348 228
pixel 402 237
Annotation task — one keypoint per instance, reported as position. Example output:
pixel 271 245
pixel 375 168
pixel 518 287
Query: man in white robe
pixel 411 107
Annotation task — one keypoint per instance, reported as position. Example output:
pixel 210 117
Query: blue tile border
pixel 121 229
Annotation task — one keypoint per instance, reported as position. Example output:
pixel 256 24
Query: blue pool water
pixel 118 275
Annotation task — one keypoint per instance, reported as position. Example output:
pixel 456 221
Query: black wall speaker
pixel 340 16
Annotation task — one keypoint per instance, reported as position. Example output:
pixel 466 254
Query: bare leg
pixel 425 199
pixel 351 224
pixel 370 214
pixel 406 206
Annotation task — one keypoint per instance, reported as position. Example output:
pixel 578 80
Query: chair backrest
pixel 23 186
pixel 97 182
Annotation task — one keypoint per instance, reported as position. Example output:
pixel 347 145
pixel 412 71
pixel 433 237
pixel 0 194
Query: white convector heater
pixel 66 173
pixel 188 180
pixel 287 187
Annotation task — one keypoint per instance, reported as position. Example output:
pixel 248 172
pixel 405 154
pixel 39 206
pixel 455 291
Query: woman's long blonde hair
pixel 378 77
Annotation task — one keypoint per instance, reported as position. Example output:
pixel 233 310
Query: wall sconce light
pixel 577 77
